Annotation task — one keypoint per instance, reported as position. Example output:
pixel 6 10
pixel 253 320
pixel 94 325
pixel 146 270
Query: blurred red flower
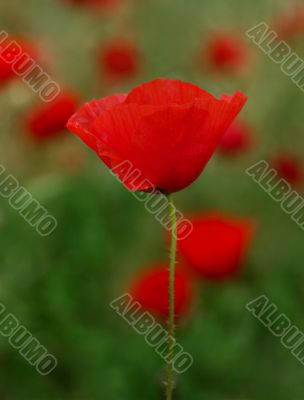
pixel 103 4
pixel 290 23
pixel 217 245
pixel 27 46
pixel 237 139
pixel 166 128
pixel 151 287
pixel 289 167
pixel 226 51
pixel 48 119
pixel 119 59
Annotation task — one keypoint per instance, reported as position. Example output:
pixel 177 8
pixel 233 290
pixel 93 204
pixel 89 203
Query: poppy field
pixel 151 200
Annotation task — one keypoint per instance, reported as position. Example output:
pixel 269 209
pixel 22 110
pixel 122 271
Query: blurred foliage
pixel 60 286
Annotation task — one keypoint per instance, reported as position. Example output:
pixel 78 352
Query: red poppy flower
pixel 119 59
pixel 167 130
pixel 49 119
pixel 217 245
pixel 289 167
pixel 150 289
pixel 6 69
pixel 237 139
pixel 226 51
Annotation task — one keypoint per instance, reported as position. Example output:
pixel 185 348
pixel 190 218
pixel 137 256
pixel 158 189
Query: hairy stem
pixel 171 319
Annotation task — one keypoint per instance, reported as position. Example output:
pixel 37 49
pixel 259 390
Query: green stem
pixel 171 319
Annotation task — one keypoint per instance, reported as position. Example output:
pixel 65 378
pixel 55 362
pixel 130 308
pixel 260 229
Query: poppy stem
pixel 171 319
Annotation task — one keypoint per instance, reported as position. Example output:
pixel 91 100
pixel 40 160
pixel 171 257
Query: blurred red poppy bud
pixel 237 139
pixel 289 167
pixel 99 4
pixel 290 24
pixel 119 59
pixel 12 48
pixel 160 136
pixel 226 52
pixel 151 287
pixel 217 245
pixel 48 119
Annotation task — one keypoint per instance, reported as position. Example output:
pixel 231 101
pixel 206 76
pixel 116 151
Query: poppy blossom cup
pixel 167 129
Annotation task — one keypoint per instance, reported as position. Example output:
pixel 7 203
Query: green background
pixel 60 286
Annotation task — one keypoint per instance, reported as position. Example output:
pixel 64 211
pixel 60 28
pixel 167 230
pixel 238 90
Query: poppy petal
pixel 115 132
pixel 82 121
pixel 166 91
